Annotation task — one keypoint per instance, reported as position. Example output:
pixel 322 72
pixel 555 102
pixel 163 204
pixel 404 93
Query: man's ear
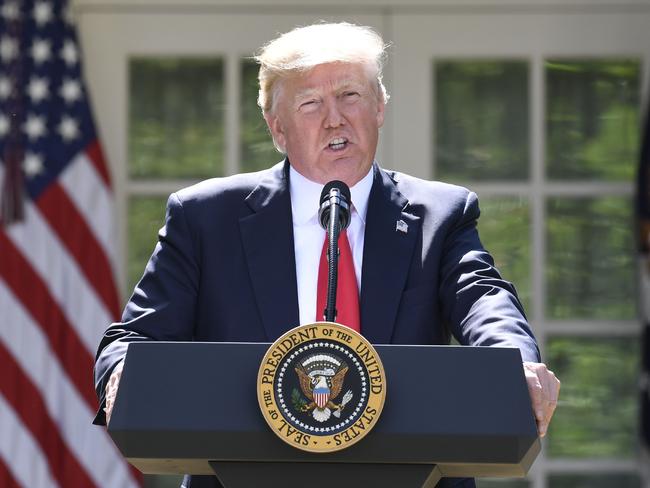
pixel 381 109
pixel 277 130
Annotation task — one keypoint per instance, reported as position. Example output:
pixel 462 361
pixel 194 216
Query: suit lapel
pixel 267 236
pixel 386 257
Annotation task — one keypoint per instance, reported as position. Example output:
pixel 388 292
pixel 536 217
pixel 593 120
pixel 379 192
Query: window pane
pixel 257 151
pixel 597 412
pixel 504 227
pixel 176 118
pixel 146 217
pixel 592 119
pixel 590 270
pixel 502 483
pixel 481 120
pixel 622 480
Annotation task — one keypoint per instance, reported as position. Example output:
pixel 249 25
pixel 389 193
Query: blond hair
pixel 303 48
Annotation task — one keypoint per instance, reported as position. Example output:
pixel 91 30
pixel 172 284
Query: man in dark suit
pixel 238 257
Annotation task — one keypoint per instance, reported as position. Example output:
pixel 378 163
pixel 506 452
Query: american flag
pixel 57 258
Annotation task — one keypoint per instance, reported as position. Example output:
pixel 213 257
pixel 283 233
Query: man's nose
pixel 333 115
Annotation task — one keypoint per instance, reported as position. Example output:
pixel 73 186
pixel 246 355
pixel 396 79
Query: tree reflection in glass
pixel 590 250
pixel 597 413
pixel 592 119
pixel 176 118
pixel 481 120
pixel 504 227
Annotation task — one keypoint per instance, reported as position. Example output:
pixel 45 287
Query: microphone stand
pixel 333 230
pixel 333 216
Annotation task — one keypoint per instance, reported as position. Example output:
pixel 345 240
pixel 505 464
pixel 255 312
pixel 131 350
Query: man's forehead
pixel 330 76
pixel 305 87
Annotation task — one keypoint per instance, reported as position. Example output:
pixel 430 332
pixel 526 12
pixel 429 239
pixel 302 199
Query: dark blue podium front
pixel 185 407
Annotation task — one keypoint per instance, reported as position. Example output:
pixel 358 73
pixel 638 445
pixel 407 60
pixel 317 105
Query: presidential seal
pixel 321 387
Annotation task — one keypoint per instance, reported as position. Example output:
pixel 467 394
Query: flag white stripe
pixel 62 276
pixel 88 443
pixel 93 200
pixel 20 452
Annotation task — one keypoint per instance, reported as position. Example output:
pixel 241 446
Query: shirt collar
pixel 306 193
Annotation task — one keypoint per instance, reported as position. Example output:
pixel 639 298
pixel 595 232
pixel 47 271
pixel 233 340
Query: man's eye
pixel 351 96
pixel 308 105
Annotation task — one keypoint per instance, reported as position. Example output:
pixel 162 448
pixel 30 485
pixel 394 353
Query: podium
pixel 186 407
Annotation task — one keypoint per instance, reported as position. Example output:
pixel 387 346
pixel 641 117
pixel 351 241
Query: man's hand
pixel 111 390
pixel 544 388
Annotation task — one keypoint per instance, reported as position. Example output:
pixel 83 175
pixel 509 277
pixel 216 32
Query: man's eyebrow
pixel 306 93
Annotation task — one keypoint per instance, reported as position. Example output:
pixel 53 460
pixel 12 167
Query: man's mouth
pixel 338 143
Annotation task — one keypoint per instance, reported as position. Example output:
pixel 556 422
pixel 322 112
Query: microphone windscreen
pixel 344 203
pixel 342 187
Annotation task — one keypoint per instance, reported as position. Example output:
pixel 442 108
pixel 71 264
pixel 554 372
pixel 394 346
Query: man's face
pixel 328 121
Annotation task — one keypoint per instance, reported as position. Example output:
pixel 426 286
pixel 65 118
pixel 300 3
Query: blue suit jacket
pixel 224 270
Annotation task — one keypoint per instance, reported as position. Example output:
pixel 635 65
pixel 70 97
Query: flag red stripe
pixel 96 155
pixel 28 404
pixel 77 237
pixel 62 336
pixel 137 475
pixel 7 480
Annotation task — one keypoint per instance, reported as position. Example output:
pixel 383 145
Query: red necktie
pixel 347 293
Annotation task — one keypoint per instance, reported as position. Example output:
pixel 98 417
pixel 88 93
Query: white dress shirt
pixel 308 235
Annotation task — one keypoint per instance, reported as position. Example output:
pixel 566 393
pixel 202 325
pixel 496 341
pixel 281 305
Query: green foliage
pixel 504 227
pixel 257 151
pixel 481 120
pixel 297 400
pixel 592 120
pixel 176 118
pixel 146 217
pixel 597 413
pixel 590 249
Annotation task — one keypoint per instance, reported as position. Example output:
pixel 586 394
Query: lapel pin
pixel 402 227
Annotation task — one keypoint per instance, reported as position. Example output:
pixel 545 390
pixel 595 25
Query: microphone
pixel 334 216
pixel 335 195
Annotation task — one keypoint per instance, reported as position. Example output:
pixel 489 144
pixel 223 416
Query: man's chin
pixel 346 168
pixel 348 171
